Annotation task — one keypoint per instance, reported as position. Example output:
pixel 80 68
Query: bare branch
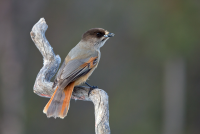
pixel 43 85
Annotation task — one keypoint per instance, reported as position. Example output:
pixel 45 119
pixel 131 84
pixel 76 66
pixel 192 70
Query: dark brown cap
pixel 94 33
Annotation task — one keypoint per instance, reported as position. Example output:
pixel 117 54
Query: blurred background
pixel 150 69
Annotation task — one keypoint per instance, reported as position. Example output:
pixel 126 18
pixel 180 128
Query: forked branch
pixel 51 62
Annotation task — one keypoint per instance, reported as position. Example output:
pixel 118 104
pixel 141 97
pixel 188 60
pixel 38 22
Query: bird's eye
pixel 99 34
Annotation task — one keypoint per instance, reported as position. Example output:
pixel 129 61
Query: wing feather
pixel 73 70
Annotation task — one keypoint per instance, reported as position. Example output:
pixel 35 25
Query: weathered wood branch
pixel 51 62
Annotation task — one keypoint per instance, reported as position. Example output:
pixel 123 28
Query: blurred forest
pixel 150 69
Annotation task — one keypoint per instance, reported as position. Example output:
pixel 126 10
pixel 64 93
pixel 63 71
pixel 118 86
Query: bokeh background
pixel 150 69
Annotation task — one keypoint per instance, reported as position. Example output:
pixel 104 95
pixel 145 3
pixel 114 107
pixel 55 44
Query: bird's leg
pixel 91 87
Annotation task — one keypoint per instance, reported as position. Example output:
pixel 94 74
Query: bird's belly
pixel 84 78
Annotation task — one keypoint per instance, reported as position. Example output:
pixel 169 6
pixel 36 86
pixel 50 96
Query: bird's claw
pixel 94 87
pixel 91 88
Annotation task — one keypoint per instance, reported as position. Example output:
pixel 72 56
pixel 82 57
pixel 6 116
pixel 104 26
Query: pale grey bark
pixel 174 96
pixel 43 85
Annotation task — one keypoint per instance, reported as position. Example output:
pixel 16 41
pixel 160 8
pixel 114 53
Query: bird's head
pixel 96 37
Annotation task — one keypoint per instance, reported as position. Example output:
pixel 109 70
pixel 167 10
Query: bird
pixel 78 65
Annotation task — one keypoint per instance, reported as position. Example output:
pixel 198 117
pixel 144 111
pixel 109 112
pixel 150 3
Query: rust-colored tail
pixel 59 103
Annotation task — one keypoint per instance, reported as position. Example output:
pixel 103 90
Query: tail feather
pixel 58 105
pixel 47 105
pixel 66 101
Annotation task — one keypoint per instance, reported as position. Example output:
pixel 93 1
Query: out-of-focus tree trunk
pixel 174 96
pixel 15 18
pixel 11 75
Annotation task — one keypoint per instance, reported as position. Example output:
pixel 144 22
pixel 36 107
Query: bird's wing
pixel 74 69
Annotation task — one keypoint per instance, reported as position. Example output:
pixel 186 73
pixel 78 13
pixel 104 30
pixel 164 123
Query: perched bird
pixel 75 70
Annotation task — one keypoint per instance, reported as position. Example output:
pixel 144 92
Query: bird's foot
pixel 90 91
pixel 91 88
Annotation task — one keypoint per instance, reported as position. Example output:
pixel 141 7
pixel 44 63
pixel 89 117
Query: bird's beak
pixel 109 35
